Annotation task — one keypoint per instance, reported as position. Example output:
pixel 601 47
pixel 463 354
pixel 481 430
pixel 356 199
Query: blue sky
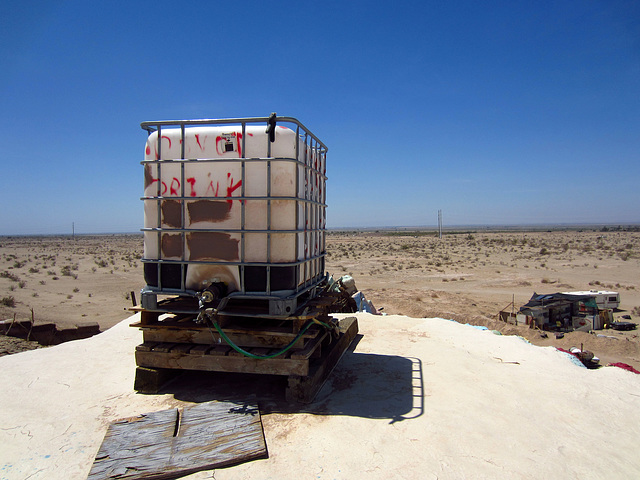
pixel 506 112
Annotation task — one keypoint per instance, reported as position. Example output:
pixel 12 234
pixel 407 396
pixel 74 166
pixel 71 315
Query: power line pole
pixel 439 223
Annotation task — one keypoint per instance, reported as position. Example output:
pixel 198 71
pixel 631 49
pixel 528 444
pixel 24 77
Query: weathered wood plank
pixel 205 336
pixel 258 326
pixel 146 346
pixel 263 351
pixel 151 380
pixel 219 350
pixel 174 443
pixel 234 353
pixel 310 348
pixel 222 363
pixel 182 348
pixel 256 351
pixel 147 318
pixel 303 389
pixel 164 347
pixel 200 349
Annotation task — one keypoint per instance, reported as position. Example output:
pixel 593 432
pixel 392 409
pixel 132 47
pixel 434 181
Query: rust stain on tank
pixel 172 245
pixel 212 246
pixel 148 178
pixel 208 210
pixel 171 213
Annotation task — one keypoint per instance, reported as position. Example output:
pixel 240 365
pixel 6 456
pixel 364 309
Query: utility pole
pixel 439 223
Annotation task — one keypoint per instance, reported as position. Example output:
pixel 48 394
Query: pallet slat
pixel 146 346
pixel 221 363
pixel 219 350
pixel 200 349
pixel 188 333
pixel 164 347
pixel 309 349
pixel 304 388
pixel 182 348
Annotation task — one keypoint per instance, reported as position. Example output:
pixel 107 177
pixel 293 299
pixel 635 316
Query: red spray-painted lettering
pixel 174 187
pixel 192 181
pixel 172 190
pixel 232 188
pixel 198 141
pixel 214 190
pixel 164 186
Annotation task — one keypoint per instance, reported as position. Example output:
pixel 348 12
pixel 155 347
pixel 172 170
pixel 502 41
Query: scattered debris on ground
pixel 46 334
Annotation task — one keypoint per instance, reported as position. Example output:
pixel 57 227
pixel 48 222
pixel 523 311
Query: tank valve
pixel 211 294
pixel 205 297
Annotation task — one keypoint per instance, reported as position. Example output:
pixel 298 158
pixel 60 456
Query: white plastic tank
pixel 230 206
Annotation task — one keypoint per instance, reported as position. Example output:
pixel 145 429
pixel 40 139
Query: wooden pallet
pixel 252 333
pixel 169 348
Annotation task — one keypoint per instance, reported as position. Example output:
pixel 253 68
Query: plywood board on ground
pixel 177 442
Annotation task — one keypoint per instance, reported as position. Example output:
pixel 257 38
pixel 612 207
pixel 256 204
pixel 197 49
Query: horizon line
pixel 483 226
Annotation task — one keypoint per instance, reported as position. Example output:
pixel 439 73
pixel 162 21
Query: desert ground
pixel 465 276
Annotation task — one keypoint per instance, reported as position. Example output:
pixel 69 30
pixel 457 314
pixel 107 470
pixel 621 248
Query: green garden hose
pixel 251 355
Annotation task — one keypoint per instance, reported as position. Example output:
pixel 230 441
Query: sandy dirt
pixel 67 281
pixel 467 276
pixel 412 399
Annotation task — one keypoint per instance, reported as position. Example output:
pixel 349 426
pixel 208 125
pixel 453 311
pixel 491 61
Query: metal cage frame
pixel 280 303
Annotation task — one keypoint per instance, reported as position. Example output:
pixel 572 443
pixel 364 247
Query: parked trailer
pixel 604 299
